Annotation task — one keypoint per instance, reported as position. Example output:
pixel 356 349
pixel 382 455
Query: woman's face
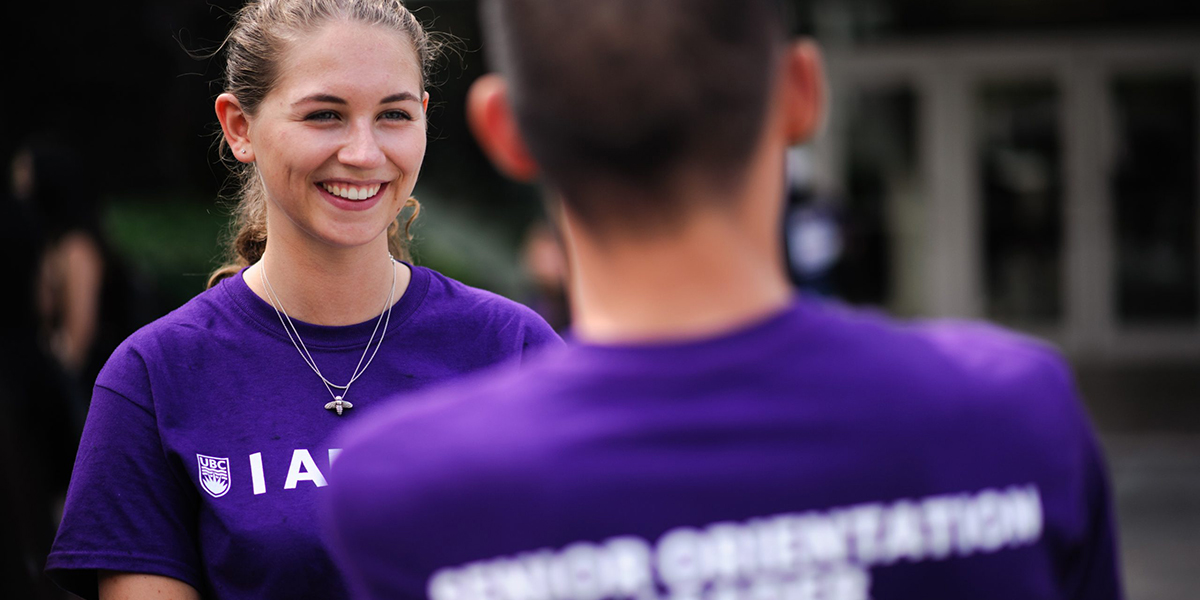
pixel 22 176
pixel 340 139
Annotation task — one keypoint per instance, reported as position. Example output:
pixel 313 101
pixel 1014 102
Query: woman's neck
pixel 338 287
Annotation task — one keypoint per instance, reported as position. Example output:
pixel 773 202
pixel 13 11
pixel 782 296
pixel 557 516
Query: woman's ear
pixel 235 125
pixel 804 93
pixel 491 119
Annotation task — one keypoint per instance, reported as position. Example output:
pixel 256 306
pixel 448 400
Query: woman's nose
pixel 361 148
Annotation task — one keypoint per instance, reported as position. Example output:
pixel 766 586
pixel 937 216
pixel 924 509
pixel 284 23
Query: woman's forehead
pixel 352 57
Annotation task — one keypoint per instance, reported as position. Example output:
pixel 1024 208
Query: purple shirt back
pixel 206 446
pixel 821 453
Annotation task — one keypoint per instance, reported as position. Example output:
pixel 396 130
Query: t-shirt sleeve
pixel 1090 567
pixel 127 508
pixel 1093 570
pixel 1054 417
pixel 539 336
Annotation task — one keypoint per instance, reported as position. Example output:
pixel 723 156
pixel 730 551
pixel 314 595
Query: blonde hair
pixel 260 36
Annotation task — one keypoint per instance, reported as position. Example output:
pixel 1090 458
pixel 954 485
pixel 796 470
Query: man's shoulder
pixel 990 353
pixel 960 354
pixel 1003 372
pixel 950 372
pixel 451 414
pixel 937 365
pixel 943 377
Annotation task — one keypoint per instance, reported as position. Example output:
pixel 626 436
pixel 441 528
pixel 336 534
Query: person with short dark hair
pixel 707 433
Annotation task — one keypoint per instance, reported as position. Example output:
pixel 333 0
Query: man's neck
pixel 709 276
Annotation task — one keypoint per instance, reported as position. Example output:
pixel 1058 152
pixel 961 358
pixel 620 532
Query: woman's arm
pixel 129 508
pixel 135 586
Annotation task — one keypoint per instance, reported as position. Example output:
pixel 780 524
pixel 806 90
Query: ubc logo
pixel 214 475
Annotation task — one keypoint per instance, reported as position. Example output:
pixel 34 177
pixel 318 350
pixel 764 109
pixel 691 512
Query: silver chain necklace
pixel 339 403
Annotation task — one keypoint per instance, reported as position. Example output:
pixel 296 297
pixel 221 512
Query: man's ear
pixel 491 119
pixel 235 125
pixel 804 90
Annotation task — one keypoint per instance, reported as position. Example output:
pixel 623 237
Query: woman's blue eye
pixel 324 115
pixel 396 115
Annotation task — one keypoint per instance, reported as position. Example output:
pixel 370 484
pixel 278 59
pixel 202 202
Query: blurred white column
pixel 829 145
pixel 947 154
pixel 1087 135
pixel 1196 76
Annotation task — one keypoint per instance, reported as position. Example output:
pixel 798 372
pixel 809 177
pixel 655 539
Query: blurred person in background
pixel 87 302
pixel 206 445
pixel 37 433
pixel 545 264
pixel 706 433
pixel 812 229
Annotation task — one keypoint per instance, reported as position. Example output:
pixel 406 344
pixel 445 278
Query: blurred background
pixel 1031 162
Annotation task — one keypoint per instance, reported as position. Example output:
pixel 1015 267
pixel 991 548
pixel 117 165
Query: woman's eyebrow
pixel 401 97
pixel 329 98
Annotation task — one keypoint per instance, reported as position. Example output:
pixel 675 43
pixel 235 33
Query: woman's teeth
pixel 351 192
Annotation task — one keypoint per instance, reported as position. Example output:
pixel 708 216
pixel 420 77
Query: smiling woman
pixel 345 117
pixel 308 105
pixel 324 111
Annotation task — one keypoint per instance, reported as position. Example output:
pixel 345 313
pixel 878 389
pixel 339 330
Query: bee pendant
pixel 339 405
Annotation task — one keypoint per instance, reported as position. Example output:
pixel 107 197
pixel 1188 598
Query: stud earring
pixel 243 150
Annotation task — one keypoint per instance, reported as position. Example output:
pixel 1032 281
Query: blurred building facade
pixel 1035 164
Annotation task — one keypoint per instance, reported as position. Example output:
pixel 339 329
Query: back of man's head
pixel 632 95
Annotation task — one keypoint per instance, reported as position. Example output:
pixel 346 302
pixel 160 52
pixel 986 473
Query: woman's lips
pixel 351 196
pixel 350 191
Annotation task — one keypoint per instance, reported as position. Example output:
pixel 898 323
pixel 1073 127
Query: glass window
pixel 883 221
pixel 1154 195
pixel 1020 159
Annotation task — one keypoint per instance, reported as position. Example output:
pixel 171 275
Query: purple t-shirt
pixel 823 453
pixel 206 446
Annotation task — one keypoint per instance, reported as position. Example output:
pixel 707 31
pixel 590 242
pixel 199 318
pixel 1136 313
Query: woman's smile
pixel 352 196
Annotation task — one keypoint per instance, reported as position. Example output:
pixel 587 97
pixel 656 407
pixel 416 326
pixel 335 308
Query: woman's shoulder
pixel 132 360
pixel 208 312
pixel 451 294
pixel 447 300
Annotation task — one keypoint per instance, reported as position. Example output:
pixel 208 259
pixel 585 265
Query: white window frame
pixel 944 74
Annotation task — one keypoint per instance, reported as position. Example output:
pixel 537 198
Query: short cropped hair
pixel 627 94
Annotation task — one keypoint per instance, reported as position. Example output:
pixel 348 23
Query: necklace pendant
pixel 338 405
